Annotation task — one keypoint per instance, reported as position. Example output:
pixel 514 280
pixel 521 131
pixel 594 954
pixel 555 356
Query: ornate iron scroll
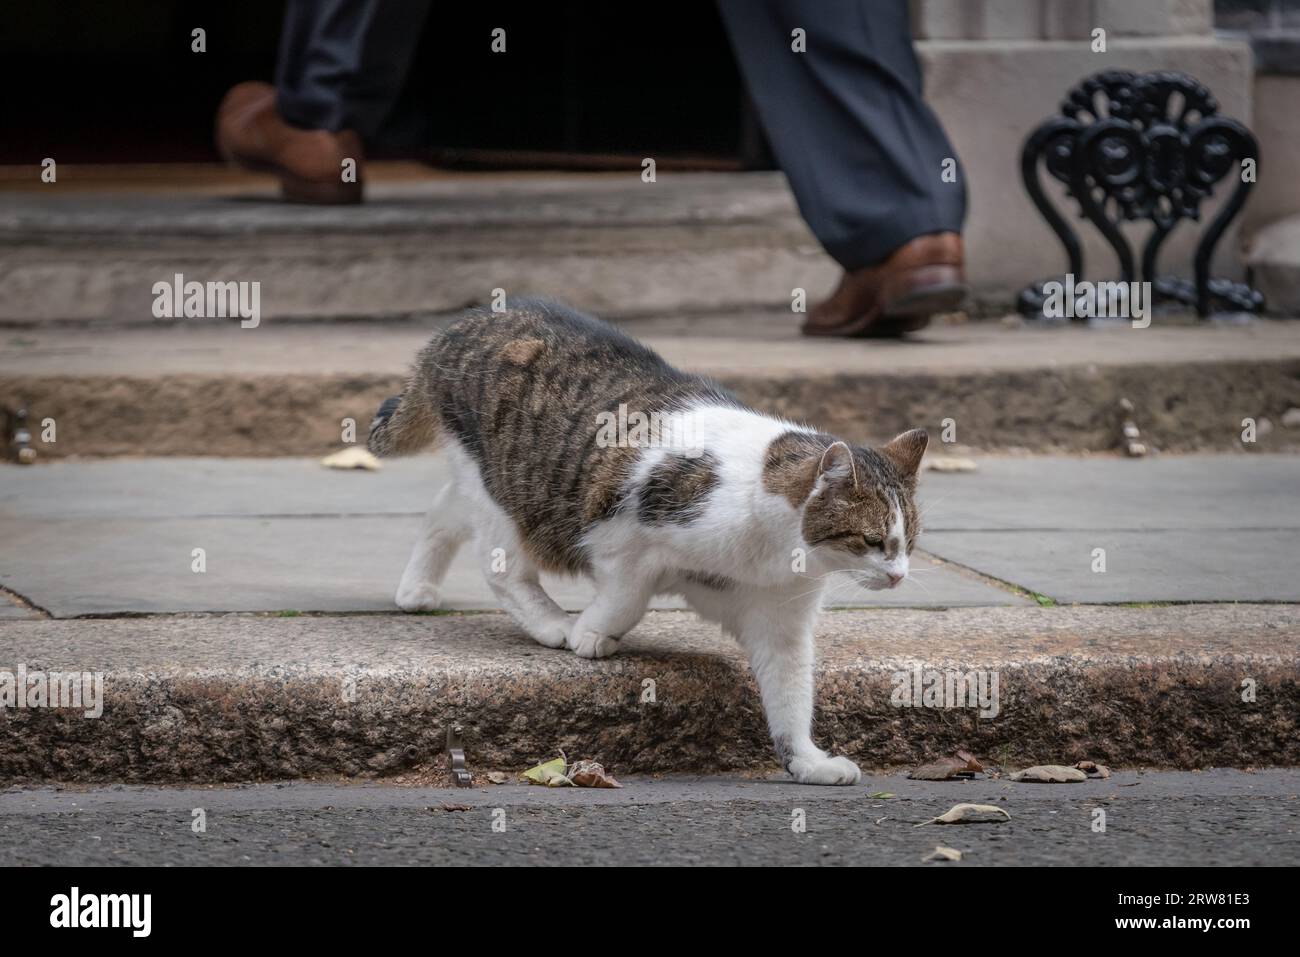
pixel 1150 146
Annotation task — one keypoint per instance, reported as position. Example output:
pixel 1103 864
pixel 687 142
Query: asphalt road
pixel 1154 818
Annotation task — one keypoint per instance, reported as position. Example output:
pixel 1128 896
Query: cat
pixel 576 449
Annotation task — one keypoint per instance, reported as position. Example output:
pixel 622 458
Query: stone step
pixel 425 243
pixel 248 698
pixel 210 388
pixel 1274 261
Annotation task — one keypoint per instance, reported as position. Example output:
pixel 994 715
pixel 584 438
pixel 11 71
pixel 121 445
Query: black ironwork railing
pixel 1149 146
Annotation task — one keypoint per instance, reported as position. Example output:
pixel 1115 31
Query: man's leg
pixel 342 62
pixel 341 67
pixel 864 155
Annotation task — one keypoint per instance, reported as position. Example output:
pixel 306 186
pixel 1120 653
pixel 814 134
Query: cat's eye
pixel 855 542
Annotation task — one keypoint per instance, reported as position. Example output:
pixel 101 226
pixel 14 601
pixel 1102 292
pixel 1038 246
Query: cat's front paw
pixel 552 634
pixel 420 596
pixel 590 644
pixel 825 770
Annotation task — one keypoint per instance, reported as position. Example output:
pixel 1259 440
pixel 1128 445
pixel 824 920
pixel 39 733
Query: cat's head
pixel 859 511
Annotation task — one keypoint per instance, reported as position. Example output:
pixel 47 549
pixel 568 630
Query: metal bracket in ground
pixel 18 438
pixel 1130 436
pixel 456 757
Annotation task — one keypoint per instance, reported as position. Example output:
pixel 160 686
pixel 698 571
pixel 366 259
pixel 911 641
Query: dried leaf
pixel 972 762
pixel 497 777
pixel 942 770
pixel 1091 767
pixel 550 773
pixel 1050 774
pixel 353 457
pixel 458 807
pixel 950 463
pixel 969 814
pixel 590 774
pixel 941 853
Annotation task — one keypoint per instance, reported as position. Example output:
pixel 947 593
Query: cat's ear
pixel 905 451
pixel 837 463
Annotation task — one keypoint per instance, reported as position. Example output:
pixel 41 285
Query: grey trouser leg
pixel 848 126
pixel 342 62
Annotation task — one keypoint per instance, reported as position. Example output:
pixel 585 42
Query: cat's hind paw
pixel 418 597
pixel 590 644
pixel 825 770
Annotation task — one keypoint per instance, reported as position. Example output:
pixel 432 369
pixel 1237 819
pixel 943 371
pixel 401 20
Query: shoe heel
pixel 925 291
pixel 329 193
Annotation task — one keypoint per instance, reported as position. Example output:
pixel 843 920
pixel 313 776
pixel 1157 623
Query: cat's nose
pixel 895 579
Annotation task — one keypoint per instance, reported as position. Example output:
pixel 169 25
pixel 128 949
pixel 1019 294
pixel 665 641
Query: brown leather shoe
pixel 921 278
pixel 250 133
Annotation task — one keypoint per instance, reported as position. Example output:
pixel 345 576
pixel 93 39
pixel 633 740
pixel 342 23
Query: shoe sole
pixel 295 189
pixel 927 301
pixel 912 312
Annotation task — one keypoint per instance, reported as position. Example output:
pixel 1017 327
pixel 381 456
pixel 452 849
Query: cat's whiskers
pixel 835 591
pixel 920 584
pixel 820 587
pixel 811 591
pixel 925 509
pixel 817 578
pixel 858 579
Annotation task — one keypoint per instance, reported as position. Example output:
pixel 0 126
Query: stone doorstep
pixel 612 243
pixel 284 389
pixel 1274 261
pixel 244 698
pixel 1191 407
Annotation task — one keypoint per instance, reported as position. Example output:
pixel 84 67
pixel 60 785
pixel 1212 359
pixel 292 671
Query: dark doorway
pixel 93 82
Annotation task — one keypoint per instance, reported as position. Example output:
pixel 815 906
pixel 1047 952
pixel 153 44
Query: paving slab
pixel 247 697
pixel 11 609
pixel 114 536
pixel 118 536
pixel 1162 492
pixel 1186 565
pixel 1175 528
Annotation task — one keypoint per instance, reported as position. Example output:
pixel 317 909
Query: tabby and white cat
pixel 742 514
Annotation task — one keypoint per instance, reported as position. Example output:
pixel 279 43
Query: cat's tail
pixel 404 424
